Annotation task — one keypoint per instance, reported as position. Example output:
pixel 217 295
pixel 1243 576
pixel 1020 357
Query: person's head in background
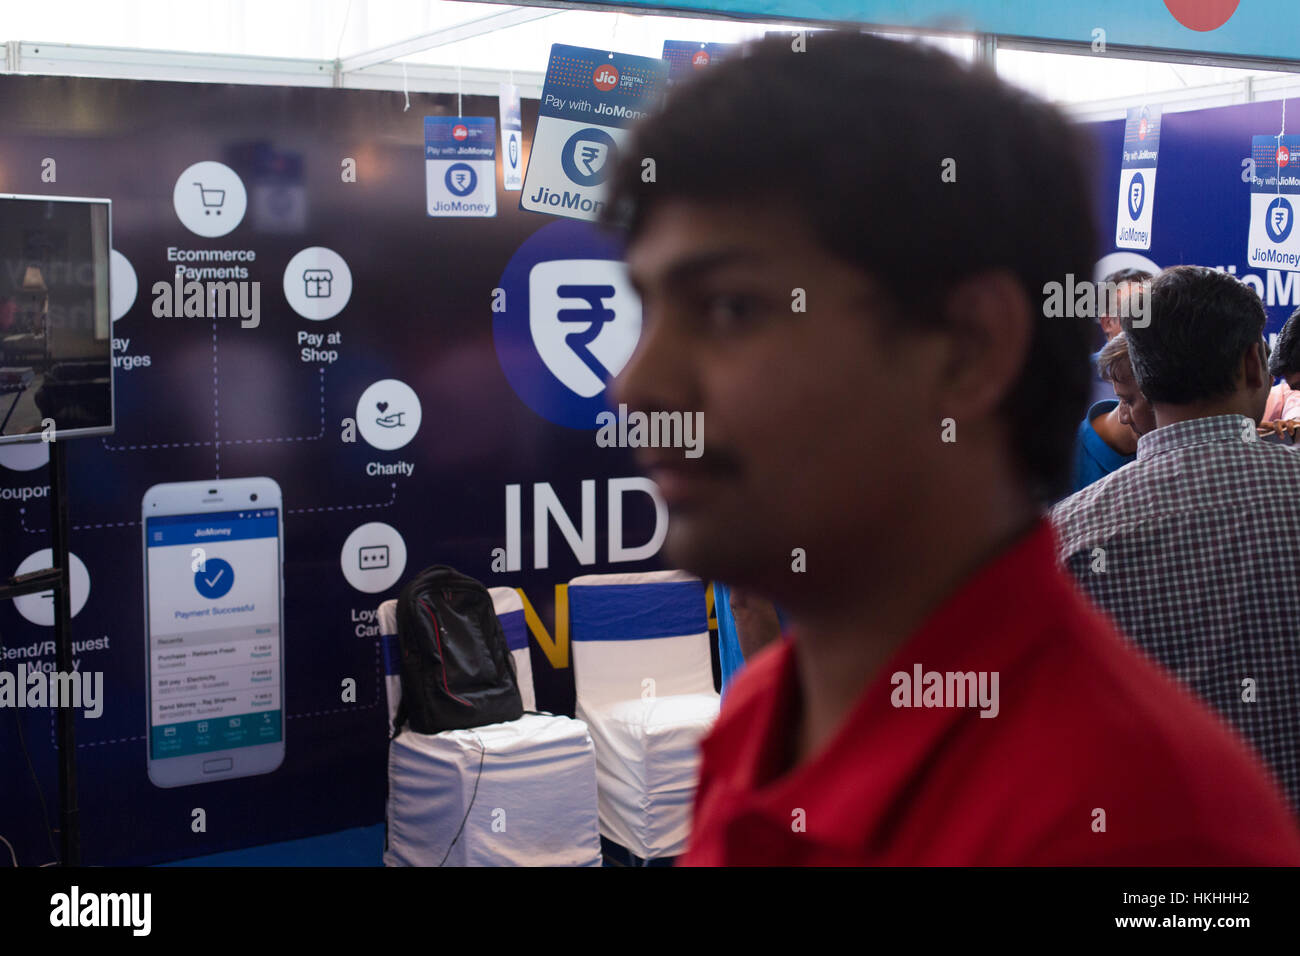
pixel 861 324
pixel 1200 350
pixel 1125 283
pixel 1113 365
pixel 1284 362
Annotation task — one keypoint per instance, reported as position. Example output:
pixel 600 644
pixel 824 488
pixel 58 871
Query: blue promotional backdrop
pixel 480 460
pixel 1202 209
pixel 371 311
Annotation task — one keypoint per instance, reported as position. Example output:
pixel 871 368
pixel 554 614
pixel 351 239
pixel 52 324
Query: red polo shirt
pixel 1087 734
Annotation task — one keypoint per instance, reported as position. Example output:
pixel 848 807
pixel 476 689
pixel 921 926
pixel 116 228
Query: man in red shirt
pixel 841 258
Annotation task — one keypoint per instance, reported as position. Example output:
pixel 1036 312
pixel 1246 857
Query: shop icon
pixel 317 283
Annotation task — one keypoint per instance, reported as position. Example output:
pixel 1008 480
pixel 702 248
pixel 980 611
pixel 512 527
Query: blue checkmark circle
pixel 215 580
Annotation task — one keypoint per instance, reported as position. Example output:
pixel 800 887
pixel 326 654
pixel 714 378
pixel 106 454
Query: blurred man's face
pixel 1134 409
pixel 1110 322
pixel 813 420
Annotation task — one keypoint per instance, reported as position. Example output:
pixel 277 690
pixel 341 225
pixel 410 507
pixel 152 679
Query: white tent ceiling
pixel 440 45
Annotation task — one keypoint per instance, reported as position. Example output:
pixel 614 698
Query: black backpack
pixel 456 668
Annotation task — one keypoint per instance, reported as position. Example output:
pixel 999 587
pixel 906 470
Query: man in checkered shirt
pixel 1194 548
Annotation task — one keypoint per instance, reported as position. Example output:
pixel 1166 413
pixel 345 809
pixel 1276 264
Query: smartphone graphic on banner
pixel 214 639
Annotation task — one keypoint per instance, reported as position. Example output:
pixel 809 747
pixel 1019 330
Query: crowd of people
pixel 906 433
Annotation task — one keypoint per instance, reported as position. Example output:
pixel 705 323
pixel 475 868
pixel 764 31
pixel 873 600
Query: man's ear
pixel 990 325
pixel 1255 367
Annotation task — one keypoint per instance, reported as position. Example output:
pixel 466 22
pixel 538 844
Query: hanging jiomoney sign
pixel 512 138
pixel 460 165
pixel 1137 178
pixel 1274 242
pixel 589 99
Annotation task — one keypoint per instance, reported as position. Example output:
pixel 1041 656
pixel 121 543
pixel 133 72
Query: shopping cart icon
pixel 212 199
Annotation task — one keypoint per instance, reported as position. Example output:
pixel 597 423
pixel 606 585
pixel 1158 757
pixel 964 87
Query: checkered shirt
pixel 1199 540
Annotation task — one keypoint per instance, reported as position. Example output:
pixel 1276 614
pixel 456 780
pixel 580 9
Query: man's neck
pixel 841 646
pixel 1168 414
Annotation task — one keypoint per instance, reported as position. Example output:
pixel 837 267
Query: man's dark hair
pixel 1197 328
pixel 1121 276
pixel 1285 358
pixel 1112 355
pixel 856 133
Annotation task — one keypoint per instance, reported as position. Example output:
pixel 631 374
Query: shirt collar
pixel 1196 431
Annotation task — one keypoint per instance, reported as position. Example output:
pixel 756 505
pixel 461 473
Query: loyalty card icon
pixel 588 156
pixel 1278 219
pixel 460 179
pixel 1136 194
pixel 584 320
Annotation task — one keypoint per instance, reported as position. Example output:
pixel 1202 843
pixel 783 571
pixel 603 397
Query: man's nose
pixel 659 373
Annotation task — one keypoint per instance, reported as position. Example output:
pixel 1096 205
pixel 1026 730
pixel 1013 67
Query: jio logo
pixel 1279 219
pixel 460 179
pixel 1283 156
pixel 700 59
pixel 1202 15
pixel 459 131
pixel 1137 190
pixel 588 156
pixel 605 77
pixel 571 323
pixel 1142 128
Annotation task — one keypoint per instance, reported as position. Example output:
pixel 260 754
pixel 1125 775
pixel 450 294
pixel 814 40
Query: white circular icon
pixel 39 608
pixel 374 557
pixel 210 199
pixel 317 283
pixel 27 456
pixel 123 285
pixel 388 414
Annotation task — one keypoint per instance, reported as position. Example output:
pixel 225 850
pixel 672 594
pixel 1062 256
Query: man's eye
pixel 726 312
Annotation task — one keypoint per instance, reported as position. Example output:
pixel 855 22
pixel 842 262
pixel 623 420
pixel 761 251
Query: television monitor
pixel 56 327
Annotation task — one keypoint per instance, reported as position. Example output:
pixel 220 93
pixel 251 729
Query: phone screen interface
pixel 214 631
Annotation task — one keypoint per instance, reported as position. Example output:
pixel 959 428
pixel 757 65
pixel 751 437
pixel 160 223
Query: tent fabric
pixel 532 804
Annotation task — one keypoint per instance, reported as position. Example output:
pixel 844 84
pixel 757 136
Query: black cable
pixel 482 754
